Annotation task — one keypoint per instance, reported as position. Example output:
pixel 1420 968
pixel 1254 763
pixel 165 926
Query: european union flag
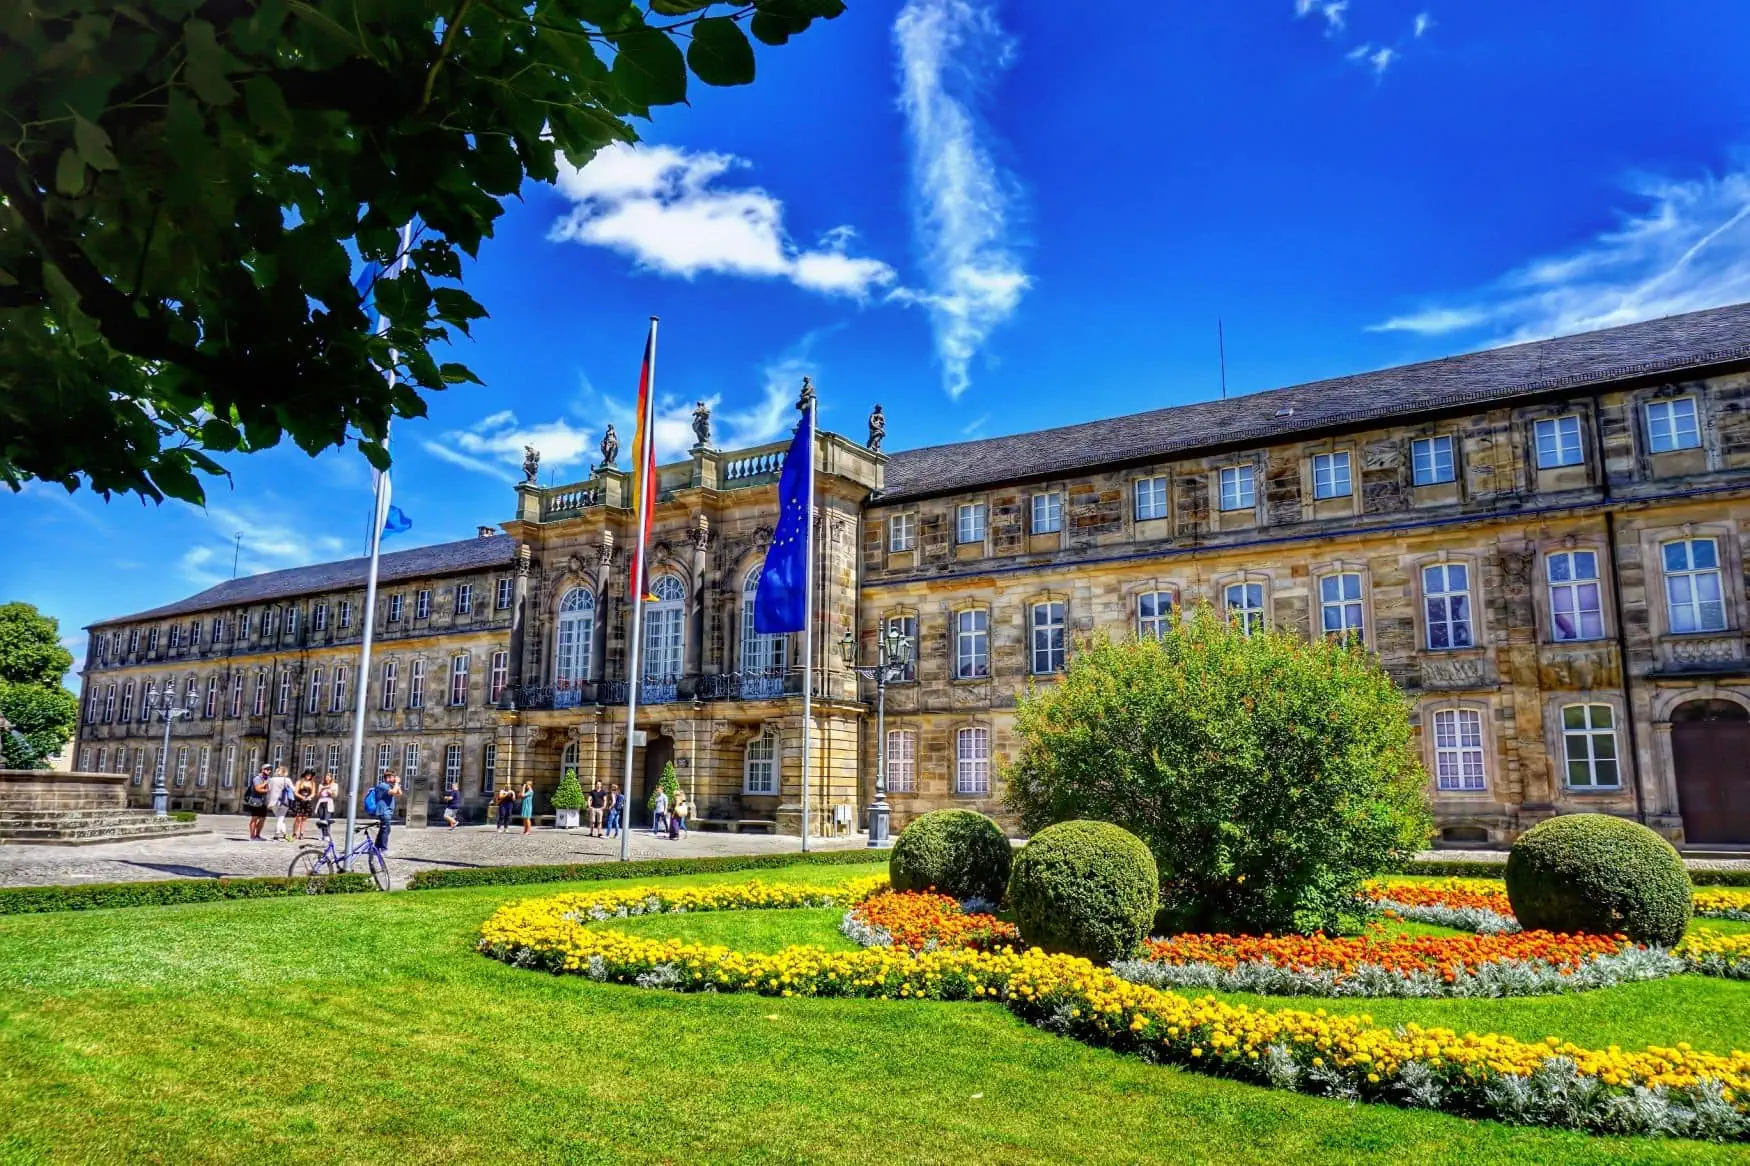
pixel 779 604
pixel 397 522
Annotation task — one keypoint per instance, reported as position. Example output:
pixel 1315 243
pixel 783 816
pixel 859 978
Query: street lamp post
pixel 892 654
pixel 170 711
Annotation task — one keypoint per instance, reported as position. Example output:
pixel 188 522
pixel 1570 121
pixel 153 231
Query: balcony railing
pixel 768 684
pixel 771 684
pixel 665 690
pixel 540 697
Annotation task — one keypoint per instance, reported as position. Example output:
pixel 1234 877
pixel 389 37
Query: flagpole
pixel 646 497
pixel 362 681
pixel 808 617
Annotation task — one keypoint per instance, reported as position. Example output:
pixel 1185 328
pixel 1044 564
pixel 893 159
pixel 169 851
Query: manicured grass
pixel 758 931
pixel 365 1028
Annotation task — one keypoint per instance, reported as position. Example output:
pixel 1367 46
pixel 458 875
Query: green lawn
pixel 365 1028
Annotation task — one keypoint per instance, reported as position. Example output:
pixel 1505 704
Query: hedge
pixel 1598 874
pixel 93 896
pixel 1485 869
pixel 493 876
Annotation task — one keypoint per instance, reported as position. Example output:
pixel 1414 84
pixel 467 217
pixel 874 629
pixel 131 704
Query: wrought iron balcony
pixel 654 690
pixel 763 684
pixel 541 697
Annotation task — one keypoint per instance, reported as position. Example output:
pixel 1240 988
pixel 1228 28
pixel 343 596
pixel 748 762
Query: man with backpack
pixel 380 804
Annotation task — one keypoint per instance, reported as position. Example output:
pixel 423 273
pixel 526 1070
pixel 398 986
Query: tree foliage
pixel 41 712
pixel 1268 775
pixel 184 183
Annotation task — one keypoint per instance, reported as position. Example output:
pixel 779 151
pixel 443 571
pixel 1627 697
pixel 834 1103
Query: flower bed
pixel 1723 903
pixel 1710 953
pixel 1657 1090
pixel 1478 905
pixel 924 921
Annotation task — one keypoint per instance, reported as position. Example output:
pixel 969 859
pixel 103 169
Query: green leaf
pixel 220 435
pixel 456 374
pixel 205 69
pixel 679 7
pixel 93 144
pixel 69 172
pixel 648 68
pixel 720 54
pixel 267 107
pixel 773 28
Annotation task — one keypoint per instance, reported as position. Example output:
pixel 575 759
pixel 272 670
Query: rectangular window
pixel 282 703
pixel 220 633
pixel 109 704
pixel 1236 488
pixel 970 525
pixel 464 598
pixel 237 694
pixel 319 618
pixel 260 706
pixel 394 609
pixel 85 761
pixel 1575 607
pixel 1694 590
pixel 333 760
pixel 228 775
pixel 102 764
pixel 1151 498
pixel 1446 592
pixel 139 765
pixel 121 760
pixel 972 761
pixel 416 685
pixel 1672 425
pixel 309 758
pixel 488 768
pixel 1331 475
pixel 200 774
pixel 410 762
pixel 907 627
pixel 127 709
pixel 291 621
pixel 268 624
pixel 244 623
pixel 194 633
pixel 1558 442
pixel 902 761
pixel 211 708
pixel 181 766
pixel 346 613
pixel 385 758
pixel 504 594
pixel 971 644
pixel 390 669
pixel 1047 513
pixel 337 691
pixel 421 604
pixel 761 772
pixel 1589 741
pixel 1048 637
pixel 151 641
pixel 190 692
pixel 94 707
pixel 1458 750
pixel 902 532
pixel 459 679
pixel 133 641
pixel 1154 614
pixel 1245 605
pixel 174 639
pixel 313 701
pixel 500 675
pixel 1340 605
pixel 452 765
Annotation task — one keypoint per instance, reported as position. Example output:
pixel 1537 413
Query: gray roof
pixel 471 554
pixel 1696 339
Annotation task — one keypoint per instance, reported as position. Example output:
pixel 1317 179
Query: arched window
pixel 764 658
pixel 761 772
pixel 573 650
pixel 568 760
pixel 665 629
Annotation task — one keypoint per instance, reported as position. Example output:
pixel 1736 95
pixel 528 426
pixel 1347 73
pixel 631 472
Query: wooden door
pixel 1710 750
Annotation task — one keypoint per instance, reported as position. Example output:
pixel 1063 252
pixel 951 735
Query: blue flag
pixel 366 286
pixel 397 522
pixel 778 605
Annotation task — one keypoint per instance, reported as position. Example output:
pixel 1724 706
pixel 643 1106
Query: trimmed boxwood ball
pixel 958 852
pixel 1599 874
pixel 1086 888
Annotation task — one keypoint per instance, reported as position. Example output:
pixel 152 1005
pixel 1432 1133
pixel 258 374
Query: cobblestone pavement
pixel 226 850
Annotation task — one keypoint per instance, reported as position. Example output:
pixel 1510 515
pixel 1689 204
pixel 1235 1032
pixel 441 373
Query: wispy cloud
pixel 962 201
pixel 974 427
pixel 1331 10
pixel 668 209
pixel 1378 59
pixel 1423 22
pixel 494 445
pixel 1684 247
pixel 270 543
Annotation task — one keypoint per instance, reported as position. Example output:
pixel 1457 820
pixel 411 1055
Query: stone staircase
pixel 86 826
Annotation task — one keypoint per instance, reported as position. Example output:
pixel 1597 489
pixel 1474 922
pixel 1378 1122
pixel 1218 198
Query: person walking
pixel 502 800
pixel 452 805
pixel 326 793
pixel 303 803
pixel 598 805
pixel 616 811
pixel 279 800
pixel 659 812
pixel 677 815
pixel 380 804
pixel 255 801
pixel 528 806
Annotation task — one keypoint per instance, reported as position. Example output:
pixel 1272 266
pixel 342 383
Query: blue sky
pixel 993 217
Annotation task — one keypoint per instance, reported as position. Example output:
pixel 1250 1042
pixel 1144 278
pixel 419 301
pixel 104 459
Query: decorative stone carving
pixel 699 534
pixel 1712 651
pixel 525 558
pixel 1516 570
pixel 1454 672
pixel 702 425
pixel 531 462
pixel 877 430
pixel 610 447
pixel 806 400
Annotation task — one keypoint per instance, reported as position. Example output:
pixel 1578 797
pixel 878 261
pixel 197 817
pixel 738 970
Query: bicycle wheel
pixel 379 868
pixel 310 863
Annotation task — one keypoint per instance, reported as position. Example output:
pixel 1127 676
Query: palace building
pixel 1543 543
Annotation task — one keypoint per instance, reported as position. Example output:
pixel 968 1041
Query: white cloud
pixel 1686 247
pixel 494 445
pixel 665 208
pixel 1377 59
pixel 1331 10
pixel 974 427
pixel 962 201
pixel 1424 22
pixel 269 543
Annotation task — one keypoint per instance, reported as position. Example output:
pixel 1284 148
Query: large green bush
pixel 957 852
pixel 1599 874
pixel 569 794
pixel 1087 888
pixel 1270 775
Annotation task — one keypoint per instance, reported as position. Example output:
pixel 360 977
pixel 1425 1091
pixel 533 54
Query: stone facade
pixel 1552 567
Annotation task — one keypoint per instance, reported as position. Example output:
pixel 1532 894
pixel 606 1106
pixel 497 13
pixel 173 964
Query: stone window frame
pixel 1485 711
pixel 390 675
pixel 1653 540
pixel 1035 600
pixel 453 765
pixel 503 593
pixel 903 611
pixel 461 666
pixel 902 732
pixel 954 633
pixel 1544 596
pixel 109 698
pixel 319 617
pixel 1240 578
pixel 766 734
pixel 1135 589
pixel 422 603
pixel 1217 494
pixel 779 645
pixel 416 683
pixel 313 695
pixel 464 600
pixel 592 655
pixel 410 761
pixel 1329 568
pixel 962 510
pixel 282 700
pixel 1555 419
pixel 1136 494
pixel 498 675
pixel 1048 497
pixel 1350 467
pixel 955 731
pixel 1643 405
pixel 906 522
pixel 1472 562
pixel 1555 742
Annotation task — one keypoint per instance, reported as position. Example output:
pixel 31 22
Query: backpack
pixel 373 805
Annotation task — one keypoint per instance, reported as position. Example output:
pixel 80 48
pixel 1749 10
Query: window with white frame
pixel 175 637
pixel 279 756
pixel 1047 513
pixel 236 708
pixel 452 765
pixel 127 710
pixel 109 704
pixel 337 690
pixel 244 623
pixel 194 633
pixel 907 627
pixel 1340 612
pixel 1558 442
pixel 972 760
pixel 210 707
pixel 422 603
pixel 269 621
pixel 1331 475
pixel 333 760
pixel 220 630
pixel 488 768
pixel 385 758
pixel 505 594
pixel 309 758
pixel 139 765
pixel 1672 425
pixel 133 641
pixel 102 763
pixel 1575 601
pixel 902 532
pixel 152 640
pixel 259 708
pixel 1046 632
pixel 228 774
pixel 291 621
pixel 459 678
pixel 1151 498
pixel 416 685
pixel 760 768
pixel 85 760
pixel 1446 599
pixel 1244 603
pixel 206 763
pixel 319 618
pixel 1154 614
pixel 762 656
pixel 313 701
pixel 1459 763
pixel 665 630
pixel 902 761
pixel 574 638
pixel 500 675
pixel 410 762
pixel 283 701
pixel 1589 745
pixel 346 613
pixel 148 697
pixel 971 643
pixel 190 692
pixel 391 672
pixel 969 524
pixel 1694 586
pixel 121 760
pixel 464 598
pixel 94 705
pixel 1237 491
pixel 181 766
pixel 395 602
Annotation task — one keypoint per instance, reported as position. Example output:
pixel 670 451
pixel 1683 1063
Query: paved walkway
pixel 226 850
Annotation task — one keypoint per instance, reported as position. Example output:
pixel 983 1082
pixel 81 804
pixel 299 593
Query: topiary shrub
pixel 569 795
pixel 1270 775
pixel 958 852
pixel 1599 874
pixel 1087 888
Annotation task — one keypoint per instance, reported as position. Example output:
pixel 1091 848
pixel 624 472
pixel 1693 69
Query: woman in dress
pixel 528 806
pixel 303 803
pixel 326 793
pixel 504 798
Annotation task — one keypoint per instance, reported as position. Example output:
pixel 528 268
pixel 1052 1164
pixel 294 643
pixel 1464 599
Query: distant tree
pixel 182 180
pixel 41 712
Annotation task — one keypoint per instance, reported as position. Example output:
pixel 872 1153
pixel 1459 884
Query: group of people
pixel 274 791
pixel 607 809
pixel 508 802
pixel 670 817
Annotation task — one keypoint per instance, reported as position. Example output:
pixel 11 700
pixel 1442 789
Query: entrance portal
pixel 658 752
pixel 1710 751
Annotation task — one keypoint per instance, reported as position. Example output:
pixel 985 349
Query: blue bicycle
pixel 316 863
